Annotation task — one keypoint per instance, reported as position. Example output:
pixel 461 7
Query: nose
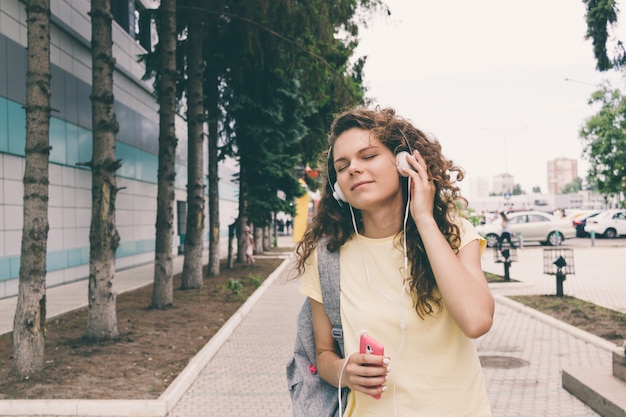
pixel 354 167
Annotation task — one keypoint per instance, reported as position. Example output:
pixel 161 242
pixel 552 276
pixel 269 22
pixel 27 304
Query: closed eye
pixel 366 154
pixel 365 157
pixel 341 167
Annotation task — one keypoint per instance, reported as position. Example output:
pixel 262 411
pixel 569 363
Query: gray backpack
pixel 311 396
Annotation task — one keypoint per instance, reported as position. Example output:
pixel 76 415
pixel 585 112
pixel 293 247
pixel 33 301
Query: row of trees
pixel 571 188
pixel 604 134
pixel 259 79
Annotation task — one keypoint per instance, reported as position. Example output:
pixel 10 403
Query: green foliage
pixel 276 72
pixel 475 218
pixel 491 278
pixel 292 74
pixel 604 140
pixel 573 187
pixel 256 280
pixel 590 184
pixel 603 322
pixel 601 15
pixel 518 190
pixel 234 286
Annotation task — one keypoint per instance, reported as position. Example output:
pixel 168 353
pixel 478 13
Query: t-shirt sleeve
pixel 310 281
pixel 469 234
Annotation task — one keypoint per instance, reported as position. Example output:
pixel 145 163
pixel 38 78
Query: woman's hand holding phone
pixel 370 346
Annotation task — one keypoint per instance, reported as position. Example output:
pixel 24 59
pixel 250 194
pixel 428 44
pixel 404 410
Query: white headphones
pixel 401 164
pixel 338 194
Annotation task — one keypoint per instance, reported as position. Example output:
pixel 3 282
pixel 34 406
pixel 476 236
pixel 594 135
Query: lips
pixel 358 184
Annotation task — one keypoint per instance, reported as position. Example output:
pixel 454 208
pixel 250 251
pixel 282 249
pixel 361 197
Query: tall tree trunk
pixel 162 292
pixel 267 238
pixel 103 236
pixel 258 239
pixel 243 210
pixel 214 194
pixel 230 258
pixel 194 244
pixel 272 236
pixel 29 336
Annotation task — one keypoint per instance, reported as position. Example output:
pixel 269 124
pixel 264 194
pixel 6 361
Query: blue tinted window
pixel 128 156
pixel 151 167
pixel 4 128
pixel 57 141
pixel 85 145
pixel 16 127
pixel 71 139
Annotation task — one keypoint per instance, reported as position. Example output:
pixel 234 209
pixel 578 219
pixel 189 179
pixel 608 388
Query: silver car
pixel 530 226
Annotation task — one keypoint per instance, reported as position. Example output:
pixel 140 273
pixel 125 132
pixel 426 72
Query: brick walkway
pixel 522 355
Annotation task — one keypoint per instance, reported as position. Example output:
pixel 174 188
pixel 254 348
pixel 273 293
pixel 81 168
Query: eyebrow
pixel 360 151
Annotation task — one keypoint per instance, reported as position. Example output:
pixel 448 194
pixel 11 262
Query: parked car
pixel 532 226
pixel 609 224
pixel 579 221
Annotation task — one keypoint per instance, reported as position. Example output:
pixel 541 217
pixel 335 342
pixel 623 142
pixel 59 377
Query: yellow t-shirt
pixel 435 370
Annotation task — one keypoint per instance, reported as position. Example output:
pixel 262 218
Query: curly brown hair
pixel 333 221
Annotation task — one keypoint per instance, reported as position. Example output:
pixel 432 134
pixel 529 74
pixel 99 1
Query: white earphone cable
pixel 405 274
pixel 407 210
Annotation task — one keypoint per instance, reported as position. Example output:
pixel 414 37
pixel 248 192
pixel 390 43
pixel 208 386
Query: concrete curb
pixel 181 384
pixel 144 408
pixel 574 331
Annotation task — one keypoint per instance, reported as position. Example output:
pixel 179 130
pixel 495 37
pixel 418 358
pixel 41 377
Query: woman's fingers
pixel 419 163
pixel 367 374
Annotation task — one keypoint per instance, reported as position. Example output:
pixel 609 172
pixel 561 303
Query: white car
pixel 531 226
pixel 609 224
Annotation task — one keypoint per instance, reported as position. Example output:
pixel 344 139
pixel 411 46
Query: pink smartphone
pixel 371 346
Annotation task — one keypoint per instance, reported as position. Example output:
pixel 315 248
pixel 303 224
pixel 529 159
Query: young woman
pixel 506 231
pixel 410 273
pixel 248 245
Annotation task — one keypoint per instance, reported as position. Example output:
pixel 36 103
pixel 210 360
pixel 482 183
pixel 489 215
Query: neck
pixel 384 222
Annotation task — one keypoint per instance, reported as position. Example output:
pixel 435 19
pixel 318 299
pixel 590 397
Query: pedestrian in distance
pixel 410 272
pixel 248 245
pixel 506 231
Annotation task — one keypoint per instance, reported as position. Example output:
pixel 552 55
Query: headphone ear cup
pixel 402 163
pixel 338 194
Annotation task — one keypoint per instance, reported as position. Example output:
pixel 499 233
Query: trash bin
pixel 505 254
pixel 560 263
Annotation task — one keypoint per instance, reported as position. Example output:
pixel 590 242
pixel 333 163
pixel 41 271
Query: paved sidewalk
pixel 523 354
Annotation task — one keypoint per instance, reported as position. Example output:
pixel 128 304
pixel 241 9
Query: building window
pixel 137 20
pixel 124 14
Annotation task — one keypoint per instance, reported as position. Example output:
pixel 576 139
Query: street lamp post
pixel 581 82
pixel 508 192
pixel 504 138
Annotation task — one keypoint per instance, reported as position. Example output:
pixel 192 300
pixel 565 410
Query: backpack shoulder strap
pixel 328 266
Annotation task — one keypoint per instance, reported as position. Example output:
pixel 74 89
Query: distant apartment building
pixel 561 171
pixel 502 184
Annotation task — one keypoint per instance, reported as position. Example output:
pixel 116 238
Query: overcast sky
pixel 487 78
